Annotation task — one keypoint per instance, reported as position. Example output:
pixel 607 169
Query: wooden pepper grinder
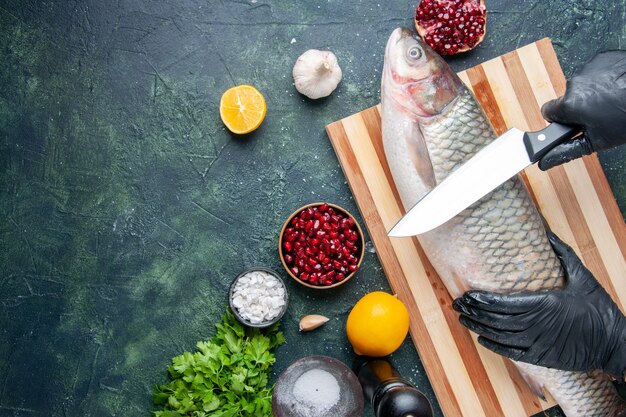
pixel 389 393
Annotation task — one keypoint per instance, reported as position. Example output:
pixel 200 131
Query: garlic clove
pixel 316 73
pixel 311 322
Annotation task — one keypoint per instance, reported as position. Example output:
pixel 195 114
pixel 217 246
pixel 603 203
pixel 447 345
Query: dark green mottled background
pixel 125 206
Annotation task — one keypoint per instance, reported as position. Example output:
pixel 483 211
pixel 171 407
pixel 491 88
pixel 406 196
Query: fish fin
pixel 405 145
pixel 536 387
pixel 421 158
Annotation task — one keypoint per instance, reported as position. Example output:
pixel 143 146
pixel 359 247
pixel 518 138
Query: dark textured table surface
pixel 126 208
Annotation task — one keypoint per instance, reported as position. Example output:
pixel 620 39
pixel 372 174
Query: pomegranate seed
pixel 326 246
pixel 319 245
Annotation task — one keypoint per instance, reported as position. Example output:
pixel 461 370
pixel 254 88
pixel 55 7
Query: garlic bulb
pixel 316 73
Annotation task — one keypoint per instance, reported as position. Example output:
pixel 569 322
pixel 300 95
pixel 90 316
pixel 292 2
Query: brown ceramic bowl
pixel 360 243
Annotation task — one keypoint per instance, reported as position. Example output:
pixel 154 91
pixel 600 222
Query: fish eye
pixel 414 53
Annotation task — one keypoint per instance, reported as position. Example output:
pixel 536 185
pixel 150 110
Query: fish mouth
pixel 402 33
pixel 397 35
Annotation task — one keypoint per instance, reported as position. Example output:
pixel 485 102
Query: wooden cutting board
pixel 575 199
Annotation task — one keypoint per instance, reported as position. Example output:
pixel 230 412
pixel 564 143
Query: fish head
pixel 416 77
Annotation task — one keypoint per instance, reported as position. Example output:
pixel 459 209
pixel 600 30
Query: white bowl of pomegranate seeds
pixel 321 245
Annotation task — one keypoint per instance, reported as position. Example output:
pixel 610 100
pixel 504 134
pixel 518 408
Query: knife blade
pixel 486 170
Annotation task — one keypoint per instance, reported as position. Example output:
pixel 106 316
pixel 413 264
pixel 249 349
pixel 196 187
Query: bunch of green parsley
pixel 226 377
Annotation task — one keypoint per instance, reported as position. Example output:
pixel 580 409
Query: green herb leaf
pixel 226 377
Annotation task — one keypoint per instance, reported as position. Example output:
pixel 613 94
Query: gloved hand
pixel 576 328
pixel 595 100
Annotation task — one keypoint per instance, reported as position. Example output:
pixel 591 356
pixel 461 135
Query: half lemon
pixel 242 109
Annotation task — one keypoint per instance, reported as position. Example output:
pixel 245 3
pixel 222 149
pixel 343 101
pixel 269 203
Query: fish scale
pixel 588 394
pixel 504 225
pixel 431 124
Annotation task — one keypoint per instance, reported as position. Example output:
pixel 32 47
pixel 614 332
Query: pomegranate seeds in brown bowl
pixel 321 245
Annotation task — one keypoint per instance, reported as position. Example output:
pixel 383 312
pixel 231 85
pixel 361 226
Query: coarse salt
pixel 258 296
pixel 316 391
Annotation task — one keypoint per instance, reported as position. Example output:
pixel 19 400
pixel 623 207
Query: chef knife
pixel 482 173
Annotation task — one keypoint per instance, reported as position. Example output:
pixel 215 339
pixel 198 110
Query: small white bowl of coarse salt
pixel 258 297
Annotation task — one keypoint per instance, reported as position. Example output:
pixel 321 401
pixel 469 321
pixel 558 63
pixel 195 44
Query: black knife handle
pixel 540 142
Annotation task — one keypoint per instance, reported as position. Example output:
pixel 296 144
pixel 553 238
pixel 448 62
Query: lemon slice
pixel 242 109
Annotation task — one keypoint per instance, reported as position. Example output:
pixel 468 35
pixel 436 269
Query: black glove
pixel 576 328
pixel 595 100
